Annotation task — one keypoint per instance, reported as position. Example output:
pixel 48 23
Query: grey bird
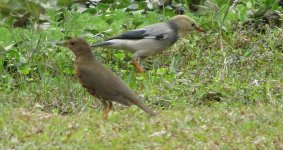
pixel 153 39
pixel 100 81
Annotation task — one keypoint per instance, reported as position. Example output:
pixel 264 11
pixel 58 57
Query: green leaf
pixel 161 71
pixel 249 53
pixel 25 70
pixel 15 5
pixel 120 56
pixel 64 2
pixel 133 6
pixel 142 5
pixel 13 54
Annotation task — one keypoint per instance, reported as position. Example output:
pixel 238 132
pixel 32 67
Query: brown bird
pixel 152 39
pixel 100 81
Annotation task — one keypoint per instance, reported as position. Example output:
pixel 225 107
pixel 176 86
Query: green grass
pixel 219 90
pixel 218 127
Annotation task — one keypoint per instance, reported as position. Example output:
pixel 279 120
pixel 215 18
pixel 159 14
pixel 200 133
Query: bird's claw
pixel 140 70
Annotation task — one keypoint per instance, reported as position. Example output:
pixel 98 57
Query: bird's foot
pixel 139 68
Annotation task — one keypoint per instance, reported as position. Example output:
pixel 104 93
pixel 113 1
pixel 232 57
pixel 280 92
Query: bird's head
pixel 186 24
pixel 78 45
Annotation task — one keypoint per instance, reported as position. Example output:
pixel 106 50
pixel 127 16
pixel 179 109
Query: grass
pixel 217 91
pixel 215 127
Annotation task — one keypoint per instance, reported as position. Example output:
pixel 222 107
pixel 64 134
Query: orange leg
pixel 140 70
pixel 107 106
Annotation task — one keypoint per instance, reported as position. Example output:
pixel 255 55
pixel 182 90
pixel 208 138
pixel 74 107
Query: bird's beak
pixel 199 29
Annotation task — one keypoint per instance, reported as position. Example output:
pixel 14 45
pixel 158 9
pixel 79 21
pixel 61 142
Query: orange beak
pixel 199 29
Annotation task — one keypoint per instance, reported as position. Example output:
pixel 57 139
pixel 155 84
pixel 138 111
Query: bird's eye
pixel 193 24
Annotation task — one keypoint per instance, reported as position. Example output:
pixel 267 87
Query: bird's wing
pixel 105 84
pixel 156 31
pixel 134 34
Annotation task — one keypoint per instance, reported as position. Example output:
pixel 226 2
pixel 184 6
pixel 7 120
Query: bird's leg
pixel 104 111
pixel 109 106
pixel 140 70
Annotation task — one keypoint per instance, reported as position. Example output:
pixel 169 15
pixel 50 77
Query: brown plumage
pixel 153 39
pixel 100 81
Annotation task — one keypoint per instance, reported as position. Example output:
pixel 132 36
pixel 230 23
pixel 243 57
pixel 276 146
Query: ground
pixel 222 89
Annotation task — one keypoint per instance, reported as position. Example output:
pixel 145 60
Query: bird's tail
pixel 106 43
pixel 146 109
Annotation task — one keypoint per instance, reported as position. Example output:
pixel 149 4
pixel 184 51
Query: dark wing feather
pixel 156 31
pixel 135 34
